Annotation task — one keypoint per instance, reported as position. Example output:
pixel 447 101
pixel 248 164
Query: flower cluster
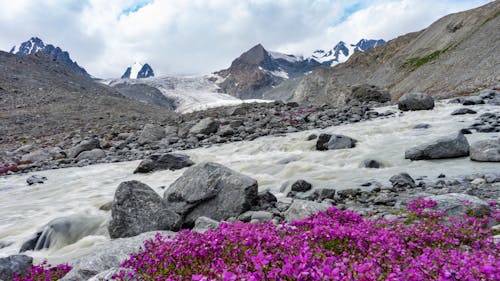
pixel 45 272
pixel 331 245
pixel 6 167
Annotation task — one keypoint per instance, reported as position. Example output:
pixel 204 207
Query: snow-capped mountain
pixel 342 51
pixel 138 70
pixel 35 45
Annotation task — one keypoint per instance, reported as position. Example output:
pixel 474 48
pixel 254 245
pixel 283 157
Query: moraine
pixel 273 161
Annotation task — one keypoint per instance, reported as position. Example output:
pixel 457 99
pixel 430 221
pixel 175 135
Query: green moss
pixel 415 63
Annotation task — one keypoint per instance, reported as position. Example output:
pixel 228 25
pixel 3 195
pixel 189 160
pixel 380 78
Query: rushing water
pixel 273 161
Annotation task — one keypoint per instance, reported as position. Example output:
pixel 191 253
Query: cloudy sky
pixel 202 36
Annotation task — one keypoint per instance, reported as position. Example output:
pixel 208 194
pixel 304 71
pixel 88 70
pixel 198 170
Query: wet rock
pixel 402 181
pixel 151 133
pixel 446 147
pixel 457 204
pixel 321 194
pixel 107 206
pixel 203 224
pixel 265 199
pixel 331 142
pixel 486 150
pixel 85 145
pixel 462 111
pixel 205 126
pixel 472 100
pixel 301 186
pixel 94 154
pixel 137 209
pixel 158 162
pixel 34 179
pixel 16 264
pixel 422 126
pixel 415 101
pixel 372 163
pixel 465 131
pixel 311 137
pixel 366 93
pixel 385 199
pixel 105 256
pixel 348 193
pixel 225 131
pixel 302 209
pixel 212 190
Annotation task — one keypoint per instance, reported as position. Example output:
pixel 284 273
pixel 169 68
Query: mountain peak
pixel 255 56
pixel 138 70
pixel 35 45
pixel 342 51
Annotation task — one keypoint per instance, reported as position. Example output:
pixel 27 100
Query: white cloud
pixel 181 36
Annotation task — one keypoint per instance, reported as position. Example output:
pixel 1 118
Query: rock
pixel 63 231
pixel 366 93
pixel 422 126
pixel 212 190
pixel 56 153
pixel 301 186
pixel 94 154
pixel 225 131
pixel 265 199
pixel 465 131
pixel 472 100
pixel 108 275
pixel 478 181
pixel 85 145
pixel 257 216
pixel 486 150
pixel 107 256
pixel 205 126
pixel 462 111
pixel 321 194
pixel 348 193
pixel 158 162
pixel 137 209
pixel 372 163
pixel 151 133
pixel 302 209
pixel 415 101
pixel 106 206
pixel 331 142
pixel 203 224
pixel 402 181
pixel 385 199
pixel 457 204
pixel 36 156
pixel 16 264
pixel 311 137
pixel 34 179
pixel 446 147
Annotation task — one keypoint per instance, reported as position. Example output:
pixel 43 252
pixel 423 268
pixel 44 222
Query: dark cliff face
pixel 35 45
pixel 144 72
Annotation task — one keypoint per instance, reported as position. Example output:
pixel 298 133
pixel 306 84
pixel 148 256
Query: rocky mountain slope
pixel 456 55
pixel 138 70
pixel 42 98
pixel 35 45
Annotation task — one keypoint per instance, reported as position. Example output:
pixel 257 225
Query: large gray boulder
pixel 16 264
pixel 212 190
pixel 85 145
pixel 36 156
pixel 402 181
pixel 457 204
pixel 331 142
pixel 202 224
pixel 303 208
pixel 486 150
pixel 151 133
pixel 107 256
pixel 205 126
pixel 94 154
pixel 415 101
pixel 366 93
pixel 446 147
pixel 137 208
pixel 168 161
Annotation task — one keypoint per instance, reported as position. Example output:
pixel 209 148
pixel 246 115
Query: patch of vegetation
pixel 415 63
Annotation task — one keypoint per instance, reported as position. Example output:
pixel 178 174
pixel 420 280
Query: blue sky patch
pixel 136 7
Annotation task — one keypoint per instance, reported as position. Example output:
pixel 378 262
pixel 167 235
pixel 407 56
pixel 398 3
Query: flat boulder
pixel 485 150
pixel 151 133
pixel 12 265
pixel 212 190
pixel 168 161
pixel 205 126
pixel 85 145
pixel 415 101
pixel 446 147
pixel 366 93
pixel 136 209
pixel 36 156
pixel 332 142
pixel 457 204
pixel 94 154
pixel 402 181
pixel 303 208
pixel 463 111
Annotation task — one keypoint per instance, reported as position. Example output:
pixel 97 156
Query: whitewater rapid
pixel 274 161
